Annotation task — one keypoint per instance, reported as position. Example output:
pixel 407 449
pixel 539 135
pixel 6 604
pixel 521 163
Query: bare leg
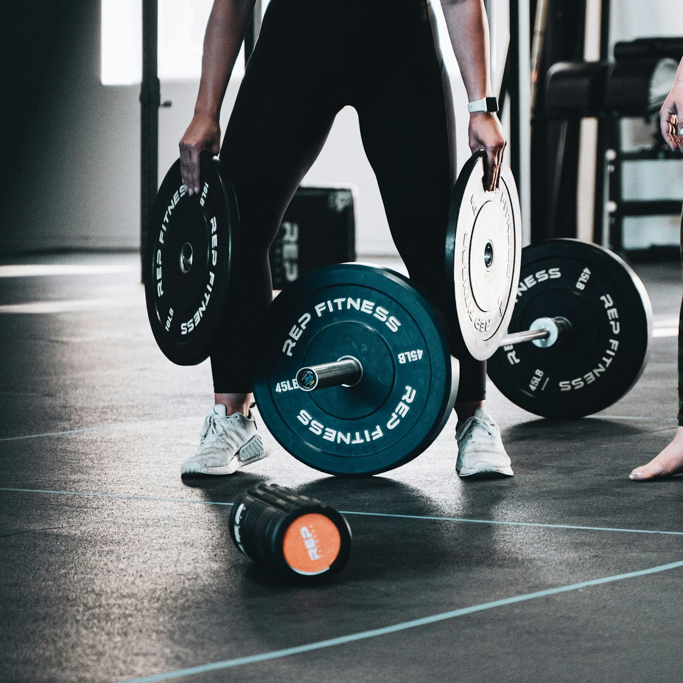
pixel 234 403
pixel 465 410
pixel 669 461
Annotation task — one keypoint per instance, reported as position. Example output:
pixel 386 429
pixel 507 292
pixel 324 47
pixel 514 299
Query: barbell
pixel 354 374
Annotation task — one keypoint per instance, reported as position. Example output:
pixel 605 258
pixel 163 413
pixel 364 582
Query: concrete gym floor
pixel 112 568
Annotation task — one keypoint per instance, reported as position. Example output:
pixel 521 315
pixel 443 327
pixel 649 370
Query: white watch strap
pixel 477 105
pixel 480 105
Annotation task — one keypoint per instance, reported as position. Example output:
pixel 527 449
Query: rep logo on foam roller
pixel 311 544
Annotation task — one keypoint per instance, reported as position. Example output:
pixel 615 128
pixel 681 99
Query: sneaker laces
pixel 470 429
pixel 216 429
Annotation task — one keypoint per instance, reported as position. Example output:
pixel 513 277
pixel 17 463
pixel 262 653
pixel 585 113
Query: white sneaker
pixel 226 444
pixel 480 448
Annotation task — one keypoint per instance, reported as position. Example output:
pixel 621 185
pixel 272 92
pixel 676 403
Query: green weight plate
pixel 483 254
pixel 605 353
pixel 409 380
pixel 190 261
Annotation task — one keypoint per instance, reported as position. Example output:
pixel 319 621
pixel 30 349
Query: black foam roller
pixel 296 537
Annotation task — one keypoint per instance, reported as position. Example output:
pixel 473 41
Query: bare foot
pixel 669 461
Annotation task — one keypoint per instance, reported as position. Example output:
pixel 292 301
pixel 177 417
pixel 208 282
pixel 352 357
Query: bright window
pixel 182 24
pixel 121 42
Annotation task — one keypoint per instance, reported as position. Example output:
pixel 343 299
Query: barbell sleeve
pixel 544 332
pixel 346 371
pixel 524 336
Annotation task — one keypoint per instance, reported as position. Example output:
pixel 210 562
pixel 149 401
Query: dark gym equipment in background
pixel 568 89
pixel 645 59
pixel 318 229
pixel 150 101
pixel 515 93
pixel 559 36
pixel 633 86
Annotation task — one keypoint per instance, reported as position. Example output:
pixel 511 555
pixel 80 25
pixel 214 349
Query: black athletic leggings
pixel 312 58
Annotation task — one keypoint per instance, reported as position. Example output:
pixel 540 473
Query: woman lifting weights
pixel 313 58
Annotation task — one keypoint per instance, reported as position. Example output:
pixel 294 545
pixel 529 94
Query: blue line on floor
pixel 389 515
pixel 534 524
pixel 630 417
pixel 124 496
pixel 96 428
pixel 37 436
pixel 363 635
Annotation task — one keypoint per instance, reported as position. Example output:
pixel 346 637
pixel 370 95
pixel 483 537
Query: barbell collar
pixel 347 371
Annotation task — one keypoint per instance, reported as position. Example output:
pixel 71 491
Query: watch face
pixel 491 104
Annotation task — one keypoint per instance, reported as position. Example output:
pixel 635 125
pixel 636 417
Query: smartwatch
pixel 488 104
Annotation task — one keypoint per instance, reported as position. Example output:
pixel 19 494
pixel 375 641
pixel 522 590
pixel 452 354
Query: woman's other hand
pixel 486 134
pixel 671 115
pixel 203 133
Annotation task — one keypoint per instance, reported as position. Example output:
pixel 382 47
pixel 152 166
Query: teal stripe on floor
pixel 363 635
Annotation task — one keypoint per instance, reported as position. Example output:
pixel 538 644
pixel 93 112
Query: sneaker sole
pixel 486 469
pixel 252 451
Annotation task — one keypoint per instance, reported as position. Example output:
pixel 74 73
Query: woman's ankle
pixel 467 409
pixel 234 403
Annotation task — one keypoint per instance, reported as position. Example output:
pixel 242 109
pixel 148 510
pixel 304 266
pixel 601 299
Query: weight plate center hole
pixel 186 254
pixel 488 255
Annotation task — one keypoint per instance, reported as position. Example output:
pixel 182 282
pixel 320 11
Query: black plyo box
pixel 318 229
